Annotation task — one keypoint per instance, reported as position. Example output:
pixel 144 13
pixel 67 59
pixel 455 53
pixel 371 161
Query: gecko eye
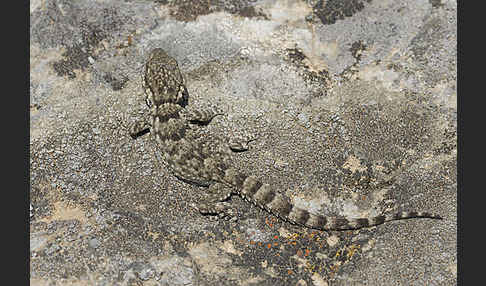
pixel 148 102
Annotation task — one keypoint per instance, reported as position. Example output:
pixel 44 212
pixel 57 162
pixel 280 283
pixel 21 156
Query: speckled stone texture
pixel 354 105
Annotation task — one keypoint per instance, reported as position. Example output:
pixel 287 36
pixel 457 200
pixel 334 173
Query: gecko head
pixel 163 81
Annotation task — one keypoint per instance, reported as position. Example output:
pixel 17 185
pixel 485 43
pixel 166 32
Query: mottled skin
pixel 206 162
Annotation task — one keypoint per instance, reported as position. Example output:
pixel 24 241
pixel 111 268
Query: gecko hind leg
pixel 216 204
pixel 240 143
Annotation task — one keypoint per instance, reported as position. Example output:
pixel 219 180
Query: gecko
pixel 203 161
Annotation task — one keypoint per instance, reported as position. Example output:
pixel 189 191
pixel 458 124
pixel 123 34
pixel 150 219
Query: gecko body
pixel 196 159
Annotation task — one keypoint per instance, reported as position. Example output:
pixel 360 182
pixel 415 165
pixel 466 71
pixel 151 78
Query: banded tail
pixel 263 195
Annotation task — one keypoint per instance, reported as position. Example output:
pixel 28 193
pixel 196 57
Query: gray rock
pixel 374 82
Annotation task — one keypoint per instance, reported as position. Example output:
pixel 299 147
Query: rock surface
pixel 354 103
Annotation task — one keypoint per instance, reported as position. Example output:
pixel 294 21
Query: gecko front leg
pixel 200 116
pixel 204 117
pixel 140 126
